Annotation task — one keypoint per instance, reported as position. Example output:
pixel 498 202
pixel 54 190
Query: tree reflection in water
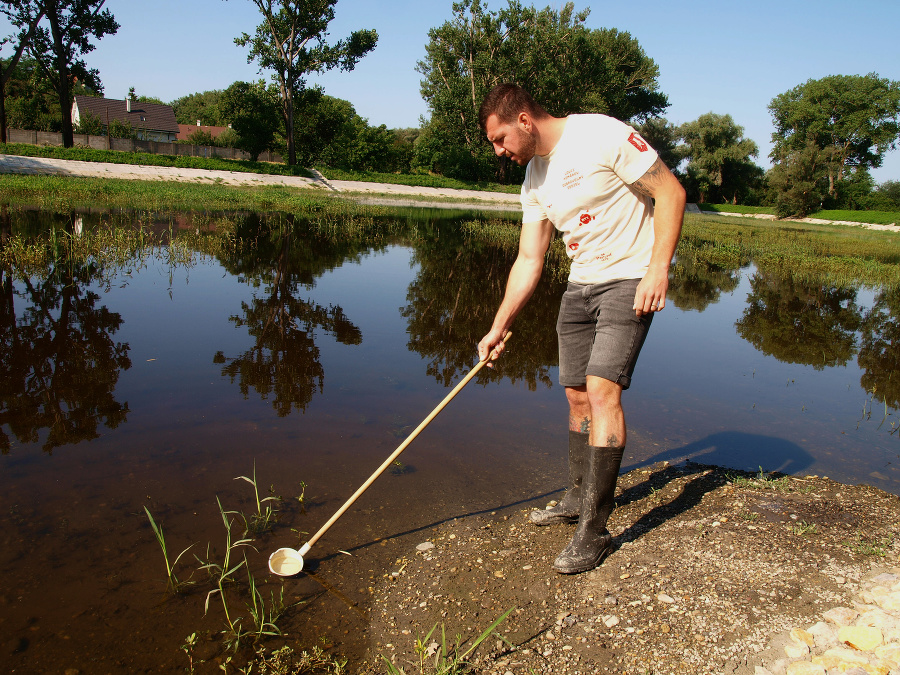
pixel 799 322
pixel 283 256
pixel 879 352
pixel 59 363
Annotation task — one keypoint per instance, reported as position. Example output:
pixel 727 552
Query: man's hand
pixel 651 293
pixel 491 346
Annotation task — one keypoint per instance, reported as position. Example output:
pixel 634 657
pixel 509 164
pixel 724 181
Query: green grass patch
pixel 871 217
pixel 148 159
pixel 418 180
pixel 837 255
pixel 736 208
pixel 65 193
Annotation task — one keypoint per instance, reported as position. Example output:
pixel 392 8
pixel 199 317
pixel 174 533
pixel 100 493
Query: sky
pixel 713 56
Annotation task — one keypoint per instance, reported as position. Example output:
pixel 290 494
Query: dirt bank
pixel 711 569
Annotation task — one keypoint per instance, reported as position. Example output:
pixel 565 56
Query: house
pixel 151 121
pixel 185 130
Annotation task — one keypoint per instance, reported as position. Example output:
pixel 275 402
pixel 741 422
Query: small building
pixel 185 130
pixel 150 121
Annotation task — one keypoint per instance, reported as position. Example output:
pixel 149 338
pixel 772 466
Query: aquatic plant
pixel 443 658
pixel 173 583
pixel 264 518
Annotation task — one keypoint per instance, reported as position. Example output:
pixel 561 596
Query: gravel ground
pixel 712 570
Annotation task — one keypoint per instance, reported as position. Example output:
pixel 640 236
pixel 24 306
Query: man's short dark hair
pixel 506 101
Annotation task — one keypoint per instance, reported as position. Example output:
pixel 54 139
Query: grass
pixel 419 180
pixel 445 659
pixel 870 547
pixel 173 583
pixel 870 217
pixel 264 518
pixel 836 255
pixel 150 159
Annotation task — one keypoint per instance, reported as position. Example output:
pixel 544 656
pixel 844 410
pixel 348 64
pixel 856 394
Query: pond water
pixel 308 359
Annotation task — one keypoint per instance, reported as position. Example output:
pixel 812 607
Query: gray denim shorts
pixel 599 333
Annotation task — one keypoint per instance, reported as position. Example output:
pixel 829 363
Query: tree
pixel 852 119
pixel 564 65
pixel 253 113
pixel 291 42
pixel 719 165
pixel 59 48
pixel 24 15
pixel 797 182
pixel 200 106
pixel 663 137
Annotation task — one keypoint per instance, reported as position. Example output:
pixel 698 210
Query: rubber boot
pixel 592 542
pixel 569 507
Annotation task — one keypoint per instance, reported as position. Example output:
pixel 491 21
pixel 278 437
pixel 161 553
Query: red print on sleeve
pixel 585 218
pixel 637 142
pixel 573 246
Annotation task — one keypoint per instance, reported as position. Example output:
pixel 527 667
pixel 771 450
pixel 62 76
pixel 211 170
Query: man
pixel 595 180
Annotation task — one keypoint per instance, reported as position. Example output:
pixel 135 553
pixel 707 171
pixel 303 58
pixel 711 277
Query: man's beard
pixel 528 145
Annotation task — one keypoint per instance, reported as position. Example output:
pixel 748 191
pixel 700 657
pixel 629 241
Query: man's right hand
pixel 491 346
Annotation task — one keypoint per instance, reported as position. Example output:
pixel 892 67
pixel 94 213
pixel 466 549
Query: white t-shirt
pixel 583 187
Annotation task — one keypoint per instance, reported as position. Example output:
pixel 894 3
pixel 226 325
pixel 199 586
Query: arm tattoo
pixel 650 181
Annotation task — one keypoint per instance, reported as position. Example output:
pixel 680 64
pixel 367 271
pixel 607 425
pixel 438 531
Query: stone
pixel 759 670
pixel 889 601
pixel 840 657
pixel 425 546
pixel 804 668
pixel 840 616
pixel 863 638
pixel 795 651
pixel 662 597
pixel 803 637
pixel 823 634
pixel 889 655
pixel 610 620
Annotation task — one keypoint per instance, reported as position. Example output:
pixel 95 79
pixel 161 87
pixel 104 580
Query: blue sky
pixel 724 57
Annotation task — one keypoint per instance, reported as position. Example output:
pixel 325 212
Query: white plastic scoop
pixel 287 562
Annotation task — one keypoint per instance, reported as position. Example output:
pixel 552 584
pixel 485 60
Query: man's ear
pixel 524 121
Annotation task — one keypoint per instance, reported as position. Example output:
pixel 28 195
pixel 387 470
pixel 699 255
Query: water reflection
pixel 451 304
pixel 277 258
pixel 879 355
pixel 59 361
pixel 798 322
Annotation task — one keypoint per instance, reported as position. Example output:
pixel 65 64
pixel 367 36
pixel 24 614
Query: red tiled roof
pixel 185 130
pixel 150 116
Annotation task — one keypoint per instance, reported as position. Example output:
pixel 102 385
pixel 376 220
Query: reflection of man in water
pixel 594 179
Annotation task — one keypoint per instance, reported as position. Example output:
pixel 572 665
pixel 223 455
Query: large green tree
pixel 719 165
pixel 252 111
pixel 60 41
pixel 567 67
pixel 25 16
pixel 291 42
pixel 202 106
pixel 852 119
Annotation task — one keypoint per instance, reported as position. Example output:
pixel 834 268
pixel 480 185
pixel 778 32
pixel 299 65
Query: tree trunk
pixel 2 110
pixel 288 109
pixel 62 84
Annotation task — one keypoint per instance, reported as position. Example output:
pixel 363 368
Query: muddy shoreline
pixel 712 570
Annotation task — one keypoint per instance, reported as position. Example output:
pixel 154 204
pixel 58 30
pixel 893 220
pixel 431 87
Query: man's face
pixel 510 140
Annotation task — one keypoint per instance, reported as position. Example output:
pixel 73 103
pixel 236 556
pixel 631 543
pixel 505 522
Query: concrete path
pixel 386 193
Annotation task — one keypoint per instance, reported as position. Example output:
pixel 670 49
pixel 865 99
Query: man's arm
pixel 664 188
pixel 523 279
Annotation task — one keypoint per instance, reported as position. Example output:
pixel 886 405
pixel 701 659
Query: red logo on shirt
pixel 573 246
pixel 637 142
pixel 585 218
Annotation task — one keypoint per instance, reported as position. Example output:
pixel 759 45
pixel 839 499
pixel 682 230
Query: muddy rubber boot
pixel 592 542
pixel 569 507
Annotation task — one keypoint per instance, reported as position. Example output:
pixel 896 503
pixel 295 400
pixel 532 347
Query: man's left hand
pixel 651 293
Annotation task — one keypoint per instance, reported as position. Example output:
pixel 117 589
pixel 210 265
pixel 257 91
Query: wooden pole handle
pixel 409 439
